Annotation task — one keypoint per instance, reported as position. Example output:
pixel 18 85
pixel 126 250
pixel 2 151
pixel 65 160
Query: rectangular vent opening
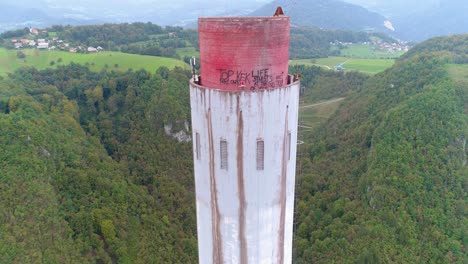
pixel 260 154
pixel 224 154
pixel 197 145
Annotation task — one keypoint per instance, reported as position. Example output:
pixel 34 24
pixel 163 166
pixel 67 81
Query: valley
pixel 89 173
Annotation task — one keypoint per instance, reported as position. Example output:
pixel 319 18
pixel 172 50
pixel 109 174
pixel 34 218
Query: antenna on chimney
pixel 193 62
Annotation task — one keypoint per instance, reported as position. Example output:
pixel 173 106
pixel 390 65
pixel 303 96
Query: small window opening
pixel 197 145
pixel 224 154
pixel 260 154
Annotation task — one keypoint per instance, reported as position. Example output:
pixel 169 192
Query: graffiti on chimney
pixel 255 79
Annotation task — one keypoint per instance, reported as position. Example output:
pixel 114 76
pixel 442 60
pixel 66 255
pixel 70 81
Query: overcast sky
pixel 203 3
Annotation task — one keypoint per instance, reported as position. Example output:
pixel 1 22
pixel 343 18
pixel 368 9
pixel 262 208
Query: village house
pixel 73 50
pixel 43 45
pixel 18 45
pixel 92 49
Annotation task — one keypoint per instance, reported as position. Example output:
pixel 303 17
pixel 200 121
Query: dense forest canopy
pixel 454 45
pixel 385 177
pixel 89 174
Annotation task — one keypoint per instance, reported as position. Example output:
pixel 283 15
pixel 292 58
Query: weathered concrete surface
pixel 245 215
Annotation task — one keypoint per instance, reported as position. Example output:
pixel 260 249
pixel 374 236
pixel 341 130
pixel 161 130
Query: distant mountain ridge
pixel 19 13
pixel 17 17
pixel 44 13
pixel 445 18
pixel 422 19
pixel 413 20
pixel 327 14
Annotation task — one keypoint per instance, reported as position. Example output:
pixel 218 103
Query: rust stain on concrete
pixel 282 194
pixel 215 215
pixel 240 184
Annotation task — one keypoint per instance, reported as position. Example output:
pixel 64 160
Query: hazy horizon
pixel 403 14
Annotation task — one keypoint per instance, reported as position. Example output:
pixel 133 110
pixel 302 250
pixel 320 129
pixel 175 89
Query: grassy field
pixel 97 61
pixel 187 51
pixel 311 116
pixel 368 52
pixel 458 72
pixel 370 66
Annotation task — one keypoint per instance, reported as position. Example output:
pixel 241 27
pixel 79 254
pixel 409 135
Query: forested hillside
pixel 458 52
pixel 384 180
pixel 88 173
pixel 312 42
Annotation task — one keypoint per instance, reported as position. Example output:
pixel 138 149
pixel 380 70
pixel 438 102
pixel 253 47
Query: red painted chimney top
pixel 244 53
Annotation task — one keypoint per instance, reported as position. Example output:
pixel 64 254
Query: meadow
pixel 369 66
pixel 42 59
pixel 458 72
pixel 369 52
pixel 358 57
pixel 312 115
pixel 187 51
